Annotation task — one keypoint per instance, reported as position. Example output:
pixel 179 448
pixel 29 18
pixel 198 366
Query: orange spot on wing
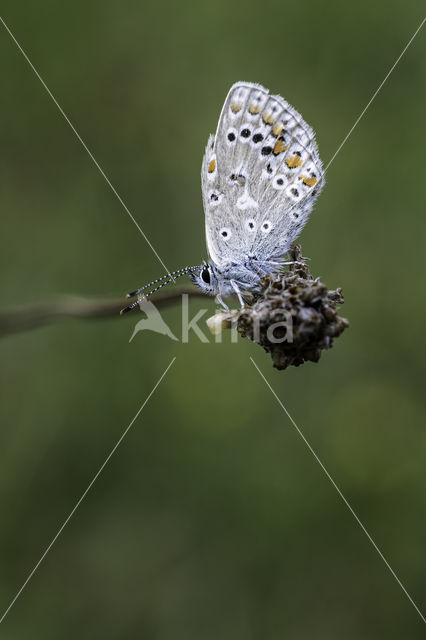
pixel 277 128
pixel 293 161
pixel 235 107
pixel 268 118
pixel 310 182
pixel 211 166
pixel 279 147
pixel 254 108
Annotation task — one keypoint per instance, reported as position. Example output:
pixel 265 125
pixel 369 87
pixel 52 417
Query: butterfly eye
pixel 205 275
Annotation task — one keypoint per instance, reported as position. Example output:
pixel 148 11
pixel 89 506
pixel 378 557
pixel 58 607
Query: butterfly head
pixel 205 278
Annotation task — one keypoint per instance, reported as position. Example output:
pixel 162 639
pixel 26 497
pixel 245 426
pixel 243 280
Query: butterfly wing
pixel 261 174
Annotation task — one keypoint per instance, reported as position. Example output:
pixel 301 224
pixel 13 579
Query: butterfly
pixel 260 176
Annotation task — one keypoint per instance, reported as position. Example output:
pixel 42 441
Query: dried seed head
pixel 293 317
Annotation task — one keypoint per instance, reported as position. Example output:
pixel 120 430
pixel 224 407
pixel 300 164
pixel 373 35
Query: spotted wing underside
pixel 261 174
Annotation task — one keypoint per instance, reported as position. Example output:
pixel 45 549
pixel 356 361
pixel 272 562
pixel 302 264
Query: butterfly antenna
pixel 168 276
pixel 167 279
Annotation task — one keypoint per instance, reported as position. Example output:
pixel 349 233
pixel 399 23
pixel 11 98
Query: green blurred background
pixel 212 520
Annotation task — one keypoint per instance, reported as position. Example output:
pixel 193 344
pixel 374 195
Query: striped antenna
pixel 169 277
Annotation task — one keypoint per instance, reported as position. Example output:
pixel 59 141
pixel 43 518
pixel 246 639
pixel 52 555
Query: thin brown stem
pixel 31 316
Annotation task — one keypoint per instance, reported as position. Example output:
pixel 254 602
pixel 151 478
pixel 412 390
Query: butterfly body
pixel 230 278
pixel 260 176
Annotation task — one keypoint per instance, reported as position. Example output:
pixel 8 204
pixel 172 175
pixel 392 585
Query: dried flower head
pixel 293 316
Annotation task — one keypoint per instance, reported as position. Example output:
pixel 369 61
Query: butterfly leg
pixel 293 262
pixel 238 292
pixel 220 301
pixel 280 264
pixel 258 269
